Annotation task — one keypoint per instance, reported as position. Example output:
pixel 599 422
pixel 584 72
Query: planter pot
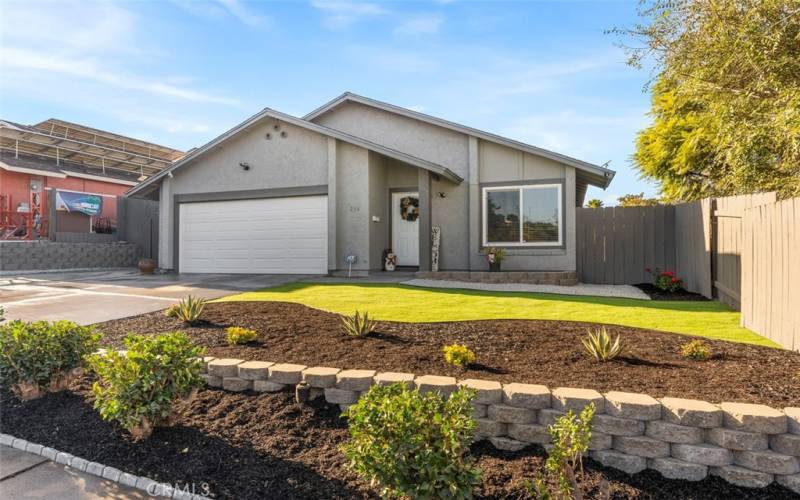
pixel 494 267
pixel 147 266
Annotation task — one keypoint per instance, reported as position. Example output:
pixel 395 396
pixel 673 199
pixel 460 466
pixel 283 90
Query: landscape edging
pixel 747 445
pixel 149 486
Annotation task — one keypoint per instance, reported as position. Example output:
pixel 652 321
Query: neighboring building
pixel 280 194
pixel 80 162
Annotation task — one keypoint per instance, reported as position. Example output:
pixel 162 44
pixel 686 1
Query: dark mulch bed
pixel 544 352
pixel 264 446
pixel 657 294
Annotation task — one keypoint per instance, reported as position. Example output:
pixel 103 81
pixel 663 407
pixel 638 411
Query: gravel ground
pixel 621 291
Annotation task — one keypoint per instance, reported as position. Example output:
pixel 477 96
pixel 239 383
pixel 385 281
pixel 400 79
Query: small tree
pixel 636 200
pixel 594 203
pixel 413 445
pixel 571 438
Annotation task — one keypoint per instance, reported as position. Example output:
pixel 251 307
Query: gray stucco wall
pixel 378 230
pixel 458 213
pixel 352 205
pixel 299 159
pixel 433 143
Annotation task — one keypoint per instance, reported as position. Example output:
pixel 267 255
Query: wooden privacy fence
pixel 713 245
pixel 140 224
pixel 770 271
pixel 615 245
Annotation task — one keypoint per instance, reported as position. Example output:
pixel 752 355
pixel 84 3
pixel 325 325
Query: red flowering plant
pixel 665 280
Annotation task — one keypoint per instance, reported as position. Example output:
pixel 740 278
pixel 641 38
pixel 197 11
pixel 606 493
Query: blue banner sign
pixel 88 204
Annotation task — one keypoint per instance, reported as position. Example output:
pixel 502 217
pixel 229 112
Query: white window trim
pixel 521 188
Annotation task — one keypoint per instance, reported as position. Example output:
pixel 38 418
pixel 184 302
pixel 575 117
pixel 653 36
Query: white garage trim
pixel 266 235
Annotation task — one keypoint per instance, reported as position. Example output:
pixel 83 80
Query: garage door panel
pixel 275 236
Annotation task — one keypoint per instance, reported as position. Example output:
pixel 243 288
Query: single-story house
pixel 355 177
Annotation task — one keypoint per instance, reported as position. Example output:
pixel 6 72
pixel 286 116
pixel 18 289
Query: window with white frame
pixel 528 215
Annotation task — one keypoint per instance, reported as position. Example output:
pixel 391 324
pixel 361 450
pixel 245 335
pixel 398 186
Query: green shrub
pixel 187 310
pixel 239 335
pixel 40 356
pixel 2 314
pixel 600 346
pixel 666 281
pixel 458 355
pixel 571 437
pixel 358 325
pixel 697 350
pixel 413 445
pixel 140 388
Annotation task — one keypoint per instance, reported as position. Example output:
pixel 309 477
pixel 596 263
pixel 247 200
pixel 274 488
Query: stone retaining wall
pixel 45 254
pixel 745 444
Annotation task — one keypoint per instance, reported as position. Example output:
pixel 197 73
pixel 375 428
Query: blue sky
pixel 179 73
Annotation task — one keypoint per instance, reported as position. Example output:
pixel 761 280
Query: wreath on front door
pixel 409 208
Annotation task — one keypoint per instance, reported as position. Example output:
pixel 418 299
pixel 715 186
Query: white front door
pixel 405 228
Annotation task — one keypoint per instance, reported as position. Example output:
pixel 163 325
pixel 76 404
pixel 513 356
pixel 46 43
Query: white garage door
pixel 269 236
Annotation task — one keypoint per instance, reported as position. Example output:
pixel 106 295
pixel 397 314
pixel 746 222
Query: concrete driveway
pixel 92 297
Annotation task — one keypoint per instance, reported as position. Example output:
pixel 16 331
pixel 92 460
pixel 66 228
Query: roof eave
pixel 568 160
pixel 299 122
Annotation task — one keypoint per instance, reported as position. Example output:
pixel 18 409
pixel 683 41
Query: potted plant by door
pixel 495 256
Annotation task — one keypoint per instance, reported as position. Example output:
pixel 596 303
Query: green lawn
pixel 392 302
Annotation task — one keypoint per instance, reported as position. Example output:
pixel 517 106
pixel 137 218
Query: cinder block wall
pixel 745 444
pixel 45 254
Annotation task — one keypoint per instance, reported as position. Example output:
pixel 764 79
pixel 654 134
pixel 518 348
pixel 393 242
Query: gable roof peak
pixel 595 174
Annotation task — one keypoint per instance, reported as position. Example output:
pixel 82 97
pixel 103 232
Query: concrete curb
pixel 147 485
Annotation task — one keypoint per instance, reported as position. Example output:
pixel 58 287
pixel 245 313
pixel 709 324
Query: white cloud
pixel 423 24
pixel 243 13
pixel 579 133
pixel 101 59
pixel 90 69
pixel 220 8
pixel 97 27
pixel 340 14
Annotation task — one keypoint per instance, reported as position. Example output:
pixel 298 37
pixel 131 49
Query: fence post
pixel 51 214
pixel 122 218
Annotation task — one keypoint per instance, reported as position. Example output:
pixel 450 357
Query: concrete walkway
pixel 92 297
pixel 27 476
pixel 619 291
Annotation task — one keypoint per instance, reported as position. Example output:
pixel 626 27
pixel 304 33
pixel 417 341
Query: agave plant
pixel 358 325
pixel 600 345
pixel 187 310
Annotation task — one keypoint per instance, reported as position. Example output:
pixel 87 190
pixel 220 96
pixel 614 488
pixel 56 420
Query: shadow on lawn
pixel 656 305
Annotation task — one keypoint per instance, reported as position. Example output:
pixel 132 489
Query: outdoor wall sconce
pixel 268 136
pixel 442 194
pixel 245 166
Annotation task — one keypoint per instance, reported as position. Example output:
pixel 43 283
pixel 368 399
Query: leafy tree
pixel 636 200
pixel 594 203
pixel 725 96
